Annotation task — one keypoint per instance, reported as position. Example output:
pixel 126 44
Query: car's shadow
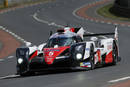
pixel 52 72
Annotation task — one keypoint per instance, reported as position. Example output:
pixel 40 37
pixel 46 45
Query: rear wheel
pixel 24 70
pixel 92 57
pixel 114 54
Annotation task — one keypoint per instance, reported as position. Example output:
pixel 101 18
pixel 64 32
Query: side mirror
pixel 102 46
pixel 40 47
pixel 28 44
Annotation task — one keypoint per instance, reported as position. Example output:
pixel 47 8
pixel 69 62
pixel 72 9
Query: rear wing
pixel 98 34
pixel 104 34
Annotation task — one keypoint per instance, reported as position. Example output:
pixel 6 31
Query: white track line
pixel 53 23
pixel 10 57
pixel 13 34
pixel 120 79
pixel 9 76
pixel 46 22
pixel 74 13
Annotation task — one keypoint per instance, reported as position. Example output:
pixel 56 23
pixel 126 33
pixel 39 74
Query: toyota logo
pixel 51 53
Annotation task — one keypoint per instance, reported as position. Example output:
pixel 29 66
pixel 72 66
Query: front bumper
pixel 39 63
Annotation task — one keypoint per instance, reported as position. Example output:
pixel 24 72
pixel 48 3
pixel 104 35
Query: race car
pixel 69 48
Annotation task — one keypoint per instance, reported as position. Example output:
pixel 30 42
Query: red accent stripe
pixel 99 55
pixel 34 55
pixel 72 30
pixel 109 58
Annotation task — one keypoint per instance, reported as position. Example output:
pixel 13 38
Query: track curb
pixel 122 84
pixel 20 6
pixel 1 45
pixel 15 39
pixel 82 14
pixel 9 44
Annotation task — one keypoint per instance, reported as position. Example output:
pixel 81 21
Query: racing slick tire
pixel 92 57
pixel 26 73
pixel 114 53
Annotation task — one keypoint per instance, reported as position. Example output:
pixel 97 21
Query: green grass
pixel 105 12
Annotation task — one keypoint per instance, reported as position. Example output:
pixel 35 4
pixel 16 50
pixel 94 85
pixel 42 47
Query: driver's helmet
pixel 67 28
pixel 94 38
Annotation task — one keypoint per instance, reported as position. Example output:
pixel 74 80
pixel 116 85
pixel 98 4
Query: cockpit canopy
pixel 61 41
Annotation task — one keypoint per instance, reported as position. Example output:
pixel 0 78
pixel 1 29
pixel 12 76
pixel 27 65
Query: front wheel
pixel 26 73
pixel 23 70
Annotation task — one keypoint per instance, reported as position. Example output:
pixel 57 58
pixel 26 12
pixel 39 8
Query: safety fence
pixel 19 1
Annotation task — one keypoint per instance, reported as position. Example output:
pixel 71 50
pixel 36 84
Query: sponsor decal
pixel 109 58
pixel 51 53
pixel 85 63
pixel 87 49
pixel 52 50
pixel 49 60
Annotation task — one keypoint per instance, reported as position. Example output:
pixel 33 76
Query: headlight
pixel 20 60
pixel 78 55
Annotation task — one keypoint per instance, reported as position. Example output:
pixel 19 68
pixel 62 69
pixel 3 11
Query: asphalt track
pixel 23 22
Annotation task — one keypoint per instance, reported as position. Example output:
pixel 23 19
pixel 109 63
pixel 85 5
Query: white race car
pixel 69 48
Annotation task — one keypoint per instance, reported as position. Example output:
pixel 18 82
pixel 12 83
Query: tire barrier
pixel 121 8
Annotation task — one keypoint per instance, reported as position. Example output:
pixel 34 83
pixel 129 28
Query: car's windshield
pixel 60 42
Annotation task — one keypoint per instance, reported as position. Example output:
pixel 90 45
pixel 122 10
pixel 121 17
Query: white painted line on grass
pixel 120 79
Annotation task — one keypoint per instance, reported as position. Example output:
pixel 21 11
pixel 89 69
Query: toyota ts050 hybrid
pixel 69 48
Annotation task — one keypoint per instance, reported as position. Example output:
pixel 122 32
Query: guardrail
pixel 6 3
pixel 19 1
